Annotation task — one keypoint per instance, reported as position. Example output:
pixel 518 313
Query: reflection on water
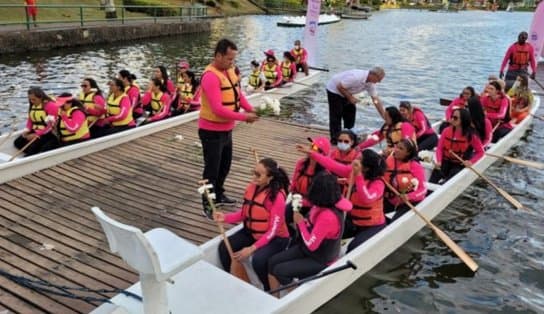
pixel 426 55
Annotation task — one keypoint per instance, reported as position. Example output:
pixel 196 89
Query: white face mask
pixel 343 146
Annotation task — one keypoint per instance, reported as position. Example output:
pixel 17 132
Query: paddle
pixel 502 192
pixel 538 83
pixel 255 154
pixel 22 150
pixel 321 69
pixel 441 234
pixel 300 83
pixel 204 190
pixel 348 264
pixel 13 129
pixel 538 117
pixel 445 102
pixel 528 163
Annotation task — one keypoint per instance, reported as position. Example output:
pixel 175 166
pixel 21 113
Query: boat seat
pixel 157 255
pixel 433 186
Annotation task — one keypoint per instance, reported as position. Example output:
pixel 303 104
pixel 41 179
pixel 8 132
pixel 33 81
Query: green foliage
pixel 163 11
pixel 234 4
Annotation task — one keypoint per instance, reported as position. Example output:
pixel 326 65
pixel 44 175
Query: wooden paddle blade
pixel 528 163
pixel 509 198
pixel 455 248
pixel 445 102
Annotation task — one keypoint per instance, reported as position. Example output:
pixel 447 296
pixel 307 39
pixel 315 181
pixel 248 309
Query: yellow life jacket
pixel 270 73
pixel 297 53
pixel 230 94
pixel 286 69
pixel 38 115
pixel 156 104
pixel 255 79
pixel 88 103
pixel 114 108
pixel 67 136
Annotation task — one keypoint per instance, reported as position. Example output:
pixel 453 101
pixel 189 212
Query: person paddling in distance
pixel 425 134
pixel 271 70
pixel 320 235
pixel 393 130
pixel 496 106
pixel 456 103
pixel 406 175
pixel 301 57
pixel 92 99
pixel 461 139
pixel 133 92
pixel 42 118
pixel 288 68
pixel 367 216
pixel 119 111
pixel 341 90
pixel 481 124
pixel 522 99
pixel 256 78
pixel 263 214
pixel 183 67
pixel 188 95
pixel 72 126
pixel 157 101
pixel 162 74
pixel 519 56
pixel 221 101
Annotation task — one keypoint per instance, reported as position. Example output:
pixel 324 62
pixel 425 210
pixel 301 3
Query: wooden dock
pixel 48 231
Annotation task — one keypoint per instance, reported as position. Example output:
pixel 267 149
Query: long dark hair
pixel 164 73
pixel 466 122
pixel 395 115
pixel 93 85
pixel 470 89
pixel 280 180
pixel 318 168
pixel 159 83
pixel 411 146
pixel 39 93
pixel 477 116
pixel 500 91
pixel 325 190
pixel 374 165
pixel 130 77
pixel 194 80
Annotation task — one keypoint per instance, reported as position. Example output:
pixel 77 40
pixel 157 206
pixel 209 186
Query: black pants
pixel 107 130
pixel 511 77
pixel 359 234
pixel 446 171
pixel 46 142
pixel 260 258
pixel 339 110
pixel 427 142
pixel 217 151
pixel 499 133
pixel 293 263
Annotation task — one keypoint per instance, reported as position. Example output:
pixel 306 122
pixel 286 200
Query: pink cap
pixel 322 143
pixel 183 64
pixel 269 52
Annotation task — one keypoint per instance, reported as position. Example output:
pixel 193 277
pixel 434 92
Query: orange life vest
pixel 459 145
pixel 346 159
pixel 366 214
pixel 393 134
pixel 399 175
pixel 256 215
pixel 304 180
pixel 416 127
pixel 520 57
pixel 230 94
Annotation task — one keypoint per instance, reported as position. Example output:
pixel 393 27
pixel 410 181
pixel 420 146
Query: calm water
pixel 426 55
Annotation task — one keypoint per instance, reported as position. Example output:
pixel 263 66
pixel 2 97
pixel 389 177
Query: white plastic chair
pixel 157 255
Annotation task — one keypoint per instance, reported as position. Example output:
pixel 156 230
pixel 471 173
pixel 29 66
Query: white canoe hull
pixel 23 166
pixel 300 21
pixel 236 297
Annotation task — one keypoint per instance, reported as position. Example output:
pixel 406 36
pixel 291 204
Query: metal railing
pixel 86 14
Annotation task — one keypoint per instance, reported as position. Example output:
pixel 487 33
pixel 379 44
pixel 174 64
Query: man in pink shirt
pixel 518 56
pixel 221 100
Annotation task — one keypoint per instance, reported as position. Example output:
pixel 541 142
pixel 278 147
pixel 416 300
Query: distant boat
pixel 300 21
pixel 510 7
pixel 355 16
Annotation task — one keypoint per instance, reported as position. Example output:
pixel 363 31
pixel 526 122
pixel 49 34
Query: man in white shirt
pixel 341 89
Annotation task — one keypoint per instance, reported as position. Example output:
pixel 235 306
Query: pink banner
pixel 310 31
pixel 536 32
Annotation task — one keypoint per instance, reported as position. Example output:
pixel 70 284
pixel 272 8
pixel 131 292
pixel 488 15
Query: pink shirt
pixel 165 110
pixel 170 87
pixel 420 123
pixel 457 103
pixel 211 86
pixel 303 57
pixel 325 226
pixel 500 102
pixel 133 94
pixel 475 143
pixel 488 133
pixel 99 108
pixel 510 52
pixel 275 222
pixel 52 109
pixel 75 122
pixel 406 129
pixel 417 170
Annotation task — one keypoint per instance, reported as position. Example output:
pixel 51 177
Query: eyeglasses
pixel 344 141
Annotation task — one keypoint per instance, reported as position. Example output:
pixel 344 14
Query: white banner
pixel 536 32
pixel 310 30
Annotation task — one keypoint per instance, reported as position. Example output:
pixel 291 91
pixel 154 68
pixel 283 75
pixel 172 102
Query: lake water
pixel 426 55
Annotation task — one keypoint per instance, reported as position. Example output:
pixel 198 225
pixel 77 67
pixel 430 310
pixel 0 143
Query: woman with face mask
pixel 346 148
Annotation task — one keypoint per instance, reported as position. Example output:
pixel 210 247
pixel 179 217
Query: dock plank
pixel 149 182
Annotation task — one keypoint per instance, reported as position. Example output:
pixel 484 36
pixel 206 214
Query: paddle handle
pixel 255 155
pixel 219 224
pixel 502 192
pixel 538 83
pixel 538 117
pixel 441 234
pixel 22 150
pixel 318 69
pixel 528 163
